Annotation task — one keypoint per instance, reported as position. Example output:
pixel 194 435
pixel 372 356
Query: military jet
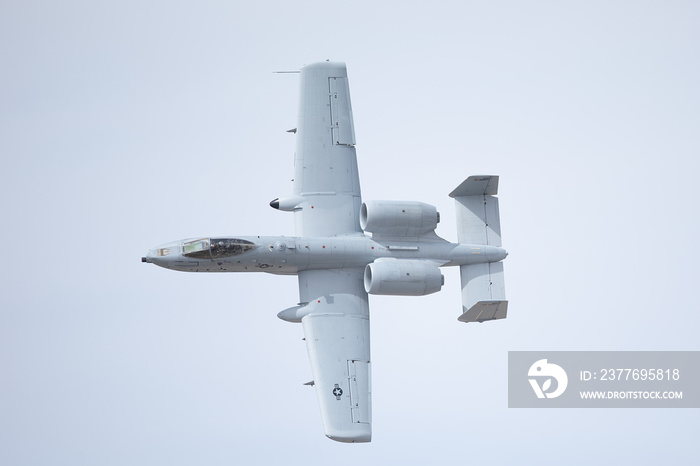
pixel 345 249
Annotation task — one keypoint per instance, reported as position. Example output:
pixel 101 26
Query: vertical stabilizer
pixel 478 222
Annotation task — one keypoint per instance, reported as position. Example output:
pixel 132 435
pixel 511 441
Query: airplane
pixel 345 250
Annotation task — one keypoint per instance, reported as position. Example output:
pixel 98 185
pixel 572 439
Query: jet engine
pixel 400 277
pixel 398 218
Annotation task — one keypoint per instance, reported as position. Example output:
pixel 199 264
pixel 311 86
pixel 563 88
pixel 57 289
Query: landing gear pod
pixel 287 204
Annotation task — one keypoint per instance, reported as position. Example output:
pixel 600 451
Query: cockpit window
pixel 226 247
pixel 216 248
pixel 197 248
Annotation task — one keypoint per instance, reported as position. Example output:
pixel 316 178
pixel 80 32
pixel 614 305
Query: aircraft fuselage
pixel 288 255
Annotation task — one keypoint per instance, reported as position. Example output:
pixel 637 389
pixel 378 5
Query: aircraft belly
pixel 326 253
pixel 334 252
pixel 283 255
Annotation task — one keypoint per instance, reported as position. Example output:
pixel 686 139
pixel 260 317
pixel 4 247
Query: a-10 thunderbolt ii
pixel 345 250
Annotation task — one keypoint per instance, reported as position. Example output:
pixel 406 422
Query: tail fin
pixel 478 222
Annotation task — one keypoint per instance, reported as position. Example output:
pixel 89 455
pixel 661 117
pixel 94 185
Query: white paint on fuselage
pixel 289 255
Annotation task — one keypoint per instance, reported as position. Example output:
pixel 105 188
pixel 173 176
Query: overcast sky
pixel 124 125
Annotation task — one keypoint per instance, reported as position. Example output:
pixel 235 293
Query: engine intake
pixel 400 277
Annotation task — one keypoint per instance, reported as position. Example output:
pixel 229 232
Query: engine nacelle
pixel 400 277
pixel 398 218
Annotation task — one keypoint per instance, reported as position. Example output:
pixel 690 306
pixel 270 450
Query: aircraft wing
pixel 325 164
pixel 327 189
pixel 337 339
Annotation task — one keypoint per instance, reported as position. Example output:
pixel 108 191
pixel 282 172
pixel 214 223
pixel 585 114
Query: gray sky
pixel 127 124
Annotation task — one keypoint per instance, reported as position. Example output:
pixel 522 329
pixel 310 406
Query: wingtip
pixel 351 439
pixel 356 432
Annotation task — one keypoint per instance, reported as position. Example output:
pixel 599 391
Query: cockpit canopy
pixel 216 248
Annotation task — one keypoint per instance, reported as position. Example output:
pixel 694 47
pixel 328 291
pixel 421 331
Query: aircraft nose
pixel 148 258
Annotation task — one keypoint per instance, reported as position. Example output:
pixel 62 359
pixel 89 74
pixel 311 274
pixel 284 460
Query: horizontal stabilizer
pixel 483 292
pixel 478 218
